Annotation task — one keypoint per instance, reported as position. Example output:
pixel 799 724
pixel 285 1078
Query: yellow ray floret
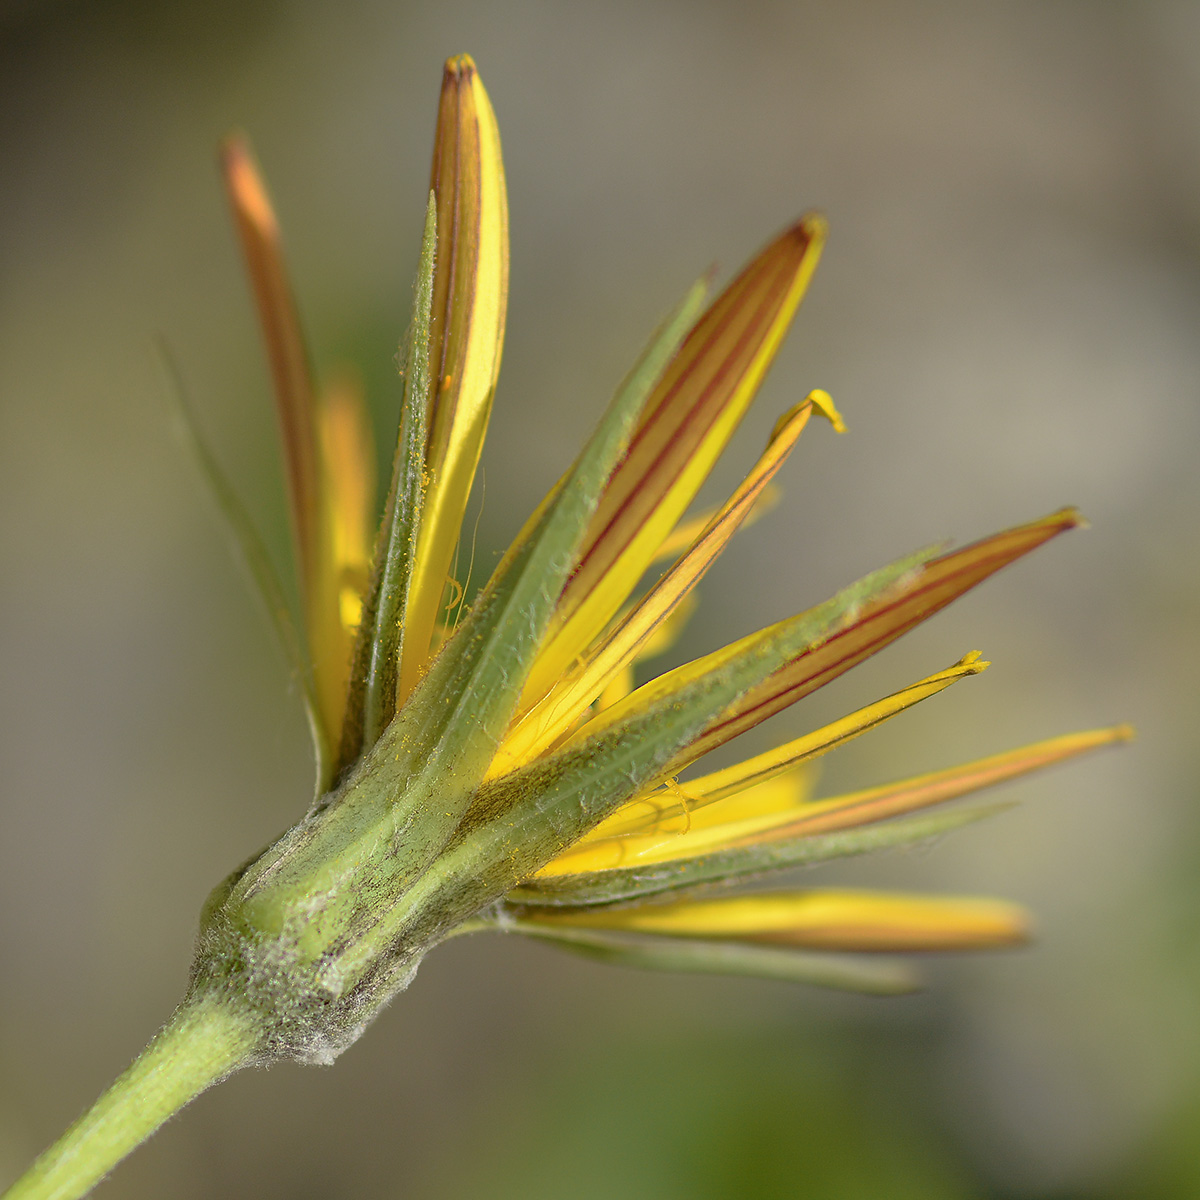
pixel 825 919
pixel 921 791
pixel 347 494
pixel 470 297
pixel 558 711
pixel 690 528
pixel 727 782
pixel 607 848
pixel 929 590
pixel 673 823
pixel 659 642
pixel 687 422
pixel 744 779
pixel 348 466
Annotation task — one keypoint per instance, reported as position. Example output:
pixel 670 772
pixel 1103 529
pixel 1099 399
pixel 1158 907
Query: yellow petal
pixel 785 791
pixel 690 528
pixel 922 791
pixel 687 423
pixel 617 689
pixel 641 815
pixel 723 783
pixel 670 822
pixel 569 699
pixel 466 336
pixel 344 540
pixel 825 919
pixel 711 832
pixel 659 642
pixel 668 631
pixel 932 587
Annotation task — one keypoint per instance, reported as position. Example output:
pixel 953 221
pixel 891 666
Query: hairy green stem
pixel 203 1042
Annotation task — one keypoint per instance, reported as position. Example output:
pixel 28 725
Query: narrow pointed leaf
pixel 478 674
pixel 254 554
pixel 399 563
pixel 838 971
pixel 381 633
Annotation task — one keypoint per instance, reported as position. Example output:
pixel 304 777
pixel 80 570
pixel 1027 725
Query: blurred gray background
pixel 1007 314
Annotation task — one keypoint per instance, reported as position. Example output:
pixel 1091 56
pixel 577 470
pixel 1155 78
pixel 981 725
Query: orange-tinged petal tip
pixel 246 185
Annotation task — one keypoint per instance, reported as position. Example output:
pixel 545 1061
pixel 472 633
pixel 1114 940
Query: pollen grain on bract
pixel 508 765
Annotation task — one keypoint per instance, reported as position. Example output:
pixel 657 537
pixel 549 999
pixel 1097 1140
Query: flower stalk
pixel 206 1040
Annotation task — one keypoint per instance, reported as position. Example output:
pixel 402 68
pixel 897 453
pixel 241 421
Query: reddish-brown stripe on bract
pixel 699 383
pixel 932 588
pixel 457 243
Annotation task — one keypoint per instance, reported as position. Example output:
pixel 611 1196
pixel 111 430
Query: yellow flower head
pixel 497 766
